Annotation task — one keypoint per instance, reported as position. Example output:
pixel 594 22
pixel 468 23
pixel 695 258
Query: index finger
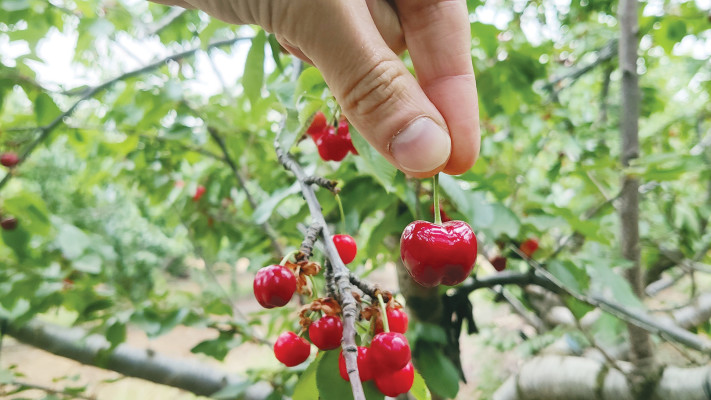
pixel 438 35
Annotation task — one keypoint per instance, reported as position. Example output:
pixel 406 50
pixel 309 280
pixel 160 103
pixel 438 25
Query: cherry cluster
pixel 333 142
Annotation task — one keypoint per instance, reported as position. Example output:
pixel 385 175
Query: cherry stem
pixel 435 195
pixel 384 311
pixel 288 256
pixel 340 209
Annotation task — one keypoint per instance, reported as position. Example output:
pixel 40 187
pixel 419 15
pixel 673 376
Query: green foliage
pixel 109 232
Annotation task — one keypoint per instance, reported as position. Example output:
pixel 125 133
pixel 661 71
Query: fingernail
pixel 422 146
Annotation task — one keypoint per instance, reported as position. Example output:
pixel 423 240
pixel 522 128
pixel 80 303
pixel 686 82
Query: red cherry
pixel 199 191
pixel 346 246
pixel 364 369
pixel 396 383
pixel 291 350
pixel 397 321
pixel 9 159
pixel 442 213
pixel 529 246
pixel 332 147
pixel 326 333
pixel 274 285
pixel 438 254
pixel 499 263
pixel 318 125
pixel 9 223
pixel 389 352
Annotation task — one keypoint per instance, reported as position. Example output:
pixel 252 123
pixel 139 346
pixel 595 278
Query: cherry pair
pixel 325 333
pixel 333 144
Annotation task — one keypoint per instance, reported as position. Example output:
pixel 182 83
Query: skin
pixel 355 44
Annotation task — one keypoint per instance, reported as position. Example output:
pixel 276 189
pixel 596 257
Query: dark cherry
pixel 274 285
pixel 364 369
pixel 396 383
pixel 326 333
pixel 9 223
pixel 346 246
pixel 499 263
pixel 389 352
pixel 397 321
pixel 291 350
pixel 438 254
pixel 529 246
pixel 9 159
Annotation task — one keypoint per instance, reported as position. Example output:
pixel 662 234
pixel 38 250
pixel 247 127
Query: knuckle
pixel 378 87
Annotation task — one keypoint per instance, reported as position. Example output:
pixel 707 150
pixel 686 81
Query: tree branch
pixel 46 130
pixel 340 272
pixel 565 378
pixel 188 375
pixel 605 53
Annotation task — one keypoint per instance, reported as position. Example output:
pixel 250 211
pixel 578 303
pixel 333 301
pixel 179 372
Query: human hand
pixel 421 126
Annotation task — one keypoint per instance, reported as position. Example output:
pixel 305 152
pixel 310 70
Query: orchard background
pixel 121 110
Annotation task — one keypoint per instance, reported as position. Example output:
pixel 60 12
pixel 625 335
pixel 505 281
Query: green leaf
pixel 45 109
pixel 306 388
pixel 15 5
pixel 419 389
pixel 570 275
pixel 276 51
pixel 439 372
pixel 505 222
pixel 332 387
pixel 372 163
pixel 116 334
pixel 266 208
pixel 72 241
pixel 253 77
pixel 310 82
pixel 429 332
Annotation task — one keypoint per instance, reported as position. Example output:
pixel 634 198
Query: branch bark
pixel 192 376
pixel 585 379
pixel 642 355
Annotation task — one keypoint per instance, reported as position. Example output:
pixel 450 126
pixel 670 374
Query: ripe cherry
pixel 438 254
pixel 346 246
pixel 274 285
pixel 199 191
pixel 389 352
pixel 291 350
pixel 332 147
pixel 396 383
pixel 9 223
pixel 365 371
pixel 326 333
pixel 499 263
pixel 9 159
pixel 344 131
pixel 529 246
pixel 318 125
pixel 397 321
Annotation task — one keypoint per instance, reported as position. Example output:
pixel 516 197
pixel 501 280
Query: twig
pixel 365 287
pixel 605 53
pixel 169 18
pixel 324 183
pixel 44 131
pixel 266 227
pixel 307 246
pixel 340 271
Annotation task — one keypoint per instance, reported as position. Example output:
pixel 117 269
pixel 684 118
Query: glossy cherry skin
pixel 389 352
pixel 346 246
pixel 344 130
pixel 9 159
pixel 396 383
pixel 199 191
pixel 318 125
pixel 291 350
pixel 326 333
pixel 332 147
pixel 364 370
pixel 9 223
pixel 274 285
pixel 397 321
pixel 499 263
pixel 529 246
pixel 438 254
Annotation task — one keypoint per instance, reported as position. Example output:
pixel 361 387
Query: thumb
pixel 378 94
